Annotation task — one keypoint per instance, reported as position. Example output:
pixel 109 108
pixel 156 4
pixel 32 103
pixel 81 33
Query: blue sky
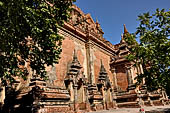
pixel 112 14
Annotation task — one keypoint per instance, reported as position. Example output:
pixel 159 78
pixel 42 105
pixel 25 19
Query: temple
pixel 92 74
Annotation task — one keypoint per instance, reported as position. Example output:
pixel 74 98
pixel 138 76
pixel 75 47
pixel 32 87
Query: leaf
pixel 28 31
pixel 153 50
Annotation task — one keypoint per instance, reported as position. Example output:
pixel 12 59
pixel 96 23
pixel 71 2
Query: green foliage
pixel 153 50
pixel 29 34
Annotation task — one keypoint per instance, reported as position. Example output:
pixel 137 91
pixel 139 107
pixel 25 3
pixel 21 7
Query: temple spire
pixel 103 76
pixel 102 73
pixel 125 30
pixel 75 61
pixel 97 22
pixel 101 62
pixel 102 69
pixel 75 55
pixel 75 66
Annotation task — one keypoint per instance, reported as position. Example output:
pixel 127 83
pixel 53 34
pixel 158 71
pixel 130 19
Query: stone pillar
pixel 75 98
pixel 113 70
pixel 114 100
pixel 131 86
pixel 86 99
pixel 90 65
pixel 132 75
pixel 115 78
pixel 84 94
pixel 75 93
pixel 141 72
pixel 129 75
pixel 110 101
pixel 71 92
pixel 138 69
pixel 111 96
pixel 87 93
pixel 104 97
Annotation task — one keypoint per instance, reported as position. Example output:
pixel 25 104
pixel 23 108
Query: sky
pixel 112 14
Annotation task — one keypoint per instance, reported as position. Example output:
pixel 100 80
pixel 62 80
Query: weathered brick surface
pixel 57 110
pixel 121 75
pixel 66 57
pixel 68 47
pixel 99 55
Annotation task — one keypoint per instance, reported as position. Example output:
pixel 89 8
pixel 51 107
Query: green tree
pixel 153 49
pixel 29 34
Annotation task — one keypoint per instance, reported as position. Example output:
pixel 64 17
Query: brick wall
pixel 121 75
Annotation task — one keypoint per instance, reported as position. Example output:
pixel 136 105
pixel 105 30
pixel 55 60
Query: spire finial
pixel 97 22
pixel 102 69
pixel 101 62
pixel 74 54
pixel 75 60
pixel 125 30
pixel 102 73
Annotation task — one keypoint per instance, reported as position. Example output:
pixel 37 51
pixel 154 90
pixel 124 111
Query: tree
pixel 153 49
pixel 29 34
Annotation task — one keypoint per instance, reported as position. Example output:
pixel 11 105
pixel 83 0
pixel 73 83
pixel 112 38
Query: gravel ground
pixel 135 110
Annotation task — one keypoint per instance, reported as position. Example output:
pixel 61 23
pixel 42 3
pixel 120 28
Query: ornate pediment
pixel 85 23
pixel 90 21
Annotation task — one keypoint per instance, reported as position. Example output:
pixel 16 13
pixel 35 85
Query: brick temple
pixel 92 74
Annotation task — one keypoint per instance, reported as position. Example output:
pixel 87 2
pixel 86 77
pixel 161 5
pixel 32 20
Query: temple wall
pixel 68 47
pixel 89 56
pixel 61 68
pixel 100 55
pixel 81 54
pixel 134 74
pixel 122 80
